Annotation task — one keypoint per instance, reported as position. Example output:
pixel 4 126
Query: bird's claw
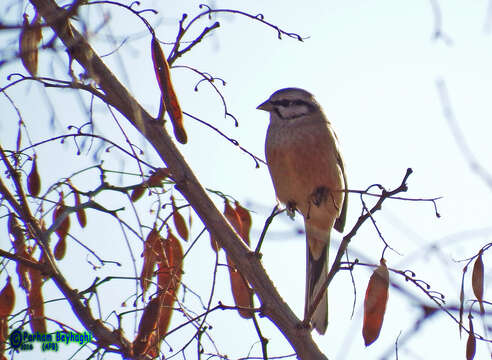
pixel 291 209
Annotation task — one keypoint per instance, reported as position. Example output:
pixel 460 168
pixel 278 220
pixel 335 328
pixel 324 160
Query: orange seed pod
pixel 169 97
pixel 375 303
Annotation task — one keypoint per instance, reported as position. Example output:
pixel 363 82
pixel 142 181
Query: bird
pixel 308 175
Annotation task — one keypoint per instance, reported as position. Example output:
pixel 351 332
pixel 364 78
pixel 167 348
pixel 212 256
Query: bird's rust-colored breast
pixel 301 158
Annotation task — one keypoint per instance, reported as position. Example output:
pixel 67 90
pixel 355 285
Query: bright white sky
pixel 374 68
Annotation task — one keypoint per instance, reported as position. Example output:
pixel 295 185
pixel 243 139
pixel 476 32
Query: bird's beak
pixel 266 106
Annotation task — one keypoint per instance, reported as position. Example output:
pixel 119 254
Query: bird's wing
pixel 340 221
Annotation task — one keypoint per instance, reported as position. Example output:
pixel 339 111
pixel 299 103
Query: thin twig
pixel 347 238
pixel 268 221
pixel 263 340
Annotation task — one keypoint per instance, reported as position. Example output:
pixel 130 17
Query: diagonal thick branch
pixel 117 96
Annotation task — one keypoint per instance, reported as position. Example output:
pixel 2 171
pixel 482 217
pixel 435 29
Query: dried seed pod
pixel 4 332
pixel 155 180
pixel 35 302
pixel 7 299
pixel 137 192
pixel 28 44
pixel 241 291
pixel 168 280
pixel 462 300
pixel 179 222
pixel 62 229
pixel 245 219
pixel 17 233
pixel 375 303
pixel 233 217
pixel 147 325
pixel 60 249
pixel 471 342
pixel 33 179
pixel 64 226
pixel 81 216
pixel 169 97
pixel 152 253
pixel 477 280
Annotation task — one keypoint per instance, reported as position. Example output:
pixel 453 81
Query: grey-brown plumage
pixel 308 174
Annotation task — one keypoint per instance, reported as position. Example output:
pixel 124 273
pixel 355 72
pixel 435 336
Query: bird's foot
pixel 291 209
pixel 319 195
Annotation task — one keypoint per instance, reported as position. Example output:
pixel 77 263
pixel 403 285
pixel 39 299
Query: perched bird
pixel 308 175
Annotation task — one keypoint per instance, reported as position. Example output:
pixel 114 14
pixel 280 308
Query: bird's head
pixel 290 103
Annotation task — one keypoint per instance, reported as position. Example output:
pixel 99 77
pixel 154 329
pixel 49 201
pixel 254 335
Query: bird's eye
pixel 299 102
pixel 283 103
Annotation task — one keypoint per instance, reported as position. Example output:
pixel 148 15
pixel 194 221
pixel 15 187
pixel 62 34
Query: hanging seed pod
pixel 151 254
pixel 241 291
pixel 471 343
pixel 169 97
pixel 7 299
pixel 33 179
pixel 477 281
pixel 17 233
pixel 169 280
pixel 375 303
pixel 462 300
pixel 156 179
pixel 35 302
pixel 147 325
pixel 64 227
pixel 245 219
pixel 60 249
pixel 179 222
pixel 137 192
pixel 29 40
pixel 81 216
pixel 4 332
pixel 233 217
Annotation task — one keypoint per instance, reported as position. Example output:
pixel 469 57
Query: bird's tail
pixel 316 274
